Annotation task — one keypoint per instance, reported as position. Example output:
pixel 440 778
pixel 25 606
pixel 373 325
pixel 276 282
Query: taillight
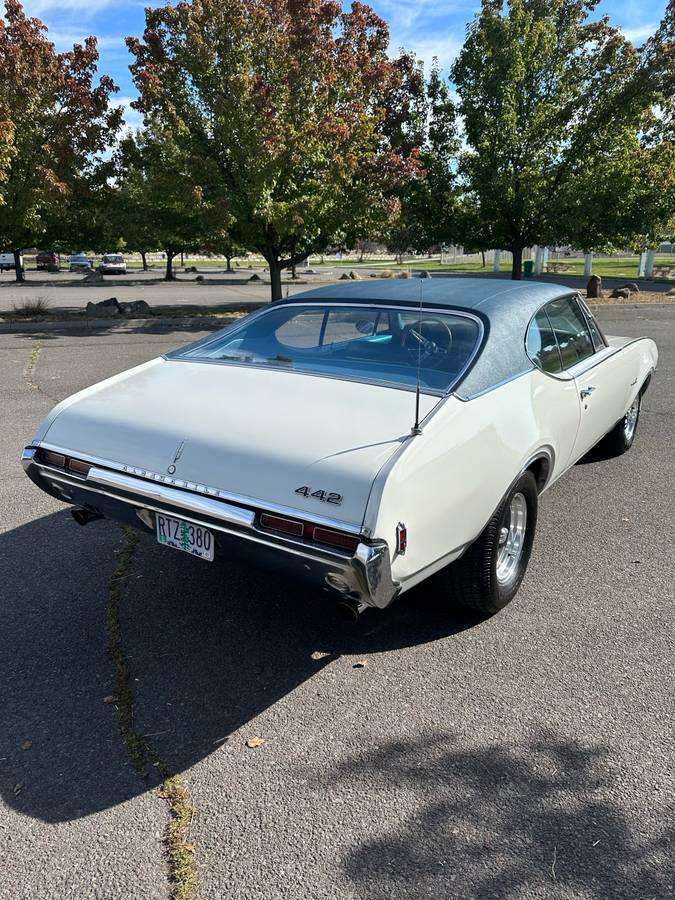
pixel 336 538
pixel 76 465
pixel 60 461
pixel 54 459
pixel 310 532
pixel 285 526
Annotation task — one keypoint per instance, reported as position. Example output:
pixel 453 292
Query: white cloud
pixel 640 33
pixel 63 39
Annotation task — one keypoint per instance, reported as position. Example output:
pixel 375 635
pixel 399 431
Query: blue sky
pixel 427 27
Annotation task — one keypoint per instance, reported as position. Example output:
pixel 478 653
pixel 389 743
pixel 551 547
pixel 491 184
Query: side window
pixel 571 331
pixel 599 341
pixel 302 330
pixel 541 344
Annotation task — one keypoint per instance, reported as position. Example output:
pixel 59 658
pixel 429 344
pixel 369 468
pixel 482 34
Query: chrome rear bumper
pixel 365 575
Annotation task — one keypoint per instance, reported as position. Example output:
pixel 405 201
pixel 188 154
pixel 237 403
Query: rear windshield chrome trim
pixel 176 355
pixel 206 490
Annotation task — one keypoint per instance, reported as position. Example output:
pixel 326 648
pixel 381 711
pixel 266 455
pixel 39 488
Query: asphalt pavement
pixel 419 754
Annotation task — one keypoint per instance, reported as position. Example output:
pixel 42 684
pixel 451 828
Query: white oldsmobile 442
pixel 364 436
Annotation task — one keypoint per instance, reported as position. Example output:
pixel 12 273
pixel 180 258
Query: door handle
pixel 587 391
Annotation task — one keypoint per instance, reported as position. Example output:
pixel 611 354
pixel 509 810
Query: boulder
pixel 385 275
pixel 354 276
pixel 620 294
pixel 632 287
pixel 93 276
pixel 403 275
pixel 671 292
pixel 255 277
pixel 594 287
pixel 106 309
pixel 135 308
pixel 199 278
pixel 425 273
pixel 344 277
pixel 190 269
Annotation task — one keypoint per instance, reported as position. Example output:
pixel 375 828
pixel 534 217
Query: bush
pixel 30 307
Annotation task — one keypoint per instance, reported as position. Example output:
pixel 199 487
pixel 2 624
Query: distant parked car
pixel 79 261
pixel 47 261
pixel 113 264
pixel 7 261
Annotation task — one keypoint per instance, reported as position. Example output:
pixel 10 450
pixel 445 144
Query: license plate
pixel 185 536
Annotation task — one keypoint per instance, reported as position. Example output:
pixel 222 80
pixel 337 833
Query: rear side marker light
pixel 285 526
pixel 335 538
pixel 401 538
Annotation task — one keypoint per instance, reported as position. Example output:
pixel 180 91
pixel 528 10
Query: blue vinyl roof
pixel 505 308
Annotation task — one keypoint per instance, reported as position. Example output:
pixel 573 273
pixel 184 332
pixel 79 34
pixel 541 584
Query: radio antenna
pixel 416 427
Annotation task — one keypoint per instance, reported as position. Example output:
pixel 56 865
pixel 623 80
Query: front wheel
pixel 488 575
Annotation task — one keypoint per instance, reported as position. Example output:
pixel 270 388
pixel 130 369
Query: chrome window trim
pixel 201 489
pixel 569 373
pixel 175 355
pixel 588 315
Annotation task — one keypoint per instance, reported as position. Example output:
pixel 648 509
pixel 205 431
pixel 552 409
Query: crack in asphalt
pixel 179 849
pixel 29 371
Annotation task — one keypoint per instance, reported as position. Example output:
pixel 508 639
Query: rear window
pixel 360 343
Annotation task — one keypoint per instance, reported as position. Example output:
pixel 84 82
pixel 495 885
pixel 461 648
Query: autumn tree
pixel 156 203
pixel 291 110
pixel 54 120
pixel 551 119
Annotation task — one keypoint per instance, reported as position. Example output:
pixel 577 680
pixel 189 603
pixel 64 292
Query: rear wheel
pixel 488 575
pixel 620 438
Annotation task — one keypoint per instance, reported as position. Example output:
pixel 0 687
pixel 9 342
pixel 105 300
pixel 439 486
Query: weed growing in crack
pixel 180 851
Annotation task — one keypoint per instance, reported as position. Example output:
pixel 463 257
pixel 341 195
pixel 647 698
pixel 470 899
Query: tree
pixel 551 116
pixel 156 203
pixel 53 122
pixel 291 111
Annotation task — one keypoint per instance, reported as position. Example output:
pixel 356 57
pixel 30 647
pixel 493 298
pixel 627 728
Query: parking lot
pixel 418 754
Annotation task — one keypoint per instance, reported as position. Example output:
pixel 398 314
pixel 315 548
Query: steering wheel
pixel 430 337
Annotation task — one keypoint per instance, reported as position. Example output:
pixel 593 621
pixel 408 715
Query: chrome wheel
pixel 511 539
pixel 630 420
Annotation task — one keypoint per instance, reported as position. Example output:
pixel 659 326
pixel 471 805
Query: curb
pixel 97 325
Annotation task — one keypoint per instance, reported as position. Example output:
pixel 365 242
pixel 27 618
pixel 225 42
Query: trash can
pixel 528 268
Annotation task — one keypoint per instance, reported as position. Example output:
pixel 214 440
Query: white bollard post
pixel 544 261
pixel 496 261
pixel 649 263
pixel 641 265
pixel 535 260
pixel 588 265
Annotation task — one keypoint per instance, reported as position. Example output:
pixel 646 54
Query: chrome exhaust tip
pixel 83 516
pixel 349 609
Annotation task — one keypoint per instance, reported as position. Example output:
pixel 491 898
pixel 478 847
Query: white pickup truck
pixel 7 261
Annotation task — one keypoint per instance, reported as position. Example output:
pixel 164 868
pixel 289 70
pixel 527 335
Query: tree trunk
pixel 482 253
pixel 169 267
pixel 229 267
pixel 144 260
pixel 18 269
pixel 275 279
pixel 517 267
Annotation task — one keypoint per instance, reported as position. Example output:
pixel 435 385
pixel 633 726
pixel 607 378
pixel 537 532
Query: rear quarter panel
pixel 445 483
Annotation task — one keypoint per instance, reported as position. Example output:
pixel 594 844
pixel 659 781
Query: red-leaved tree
pixel 53 122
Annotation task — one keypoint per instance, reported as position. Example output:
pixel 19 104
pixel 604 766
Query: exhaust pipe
pixel 349 609
pixel 83 516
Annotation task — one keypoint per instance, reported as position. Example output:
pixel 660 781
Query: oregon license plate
pixel 184 536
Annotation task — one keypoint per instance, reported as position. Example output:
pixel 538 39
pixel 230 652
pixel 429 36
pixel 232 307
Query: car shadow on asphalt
pixel 209 647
